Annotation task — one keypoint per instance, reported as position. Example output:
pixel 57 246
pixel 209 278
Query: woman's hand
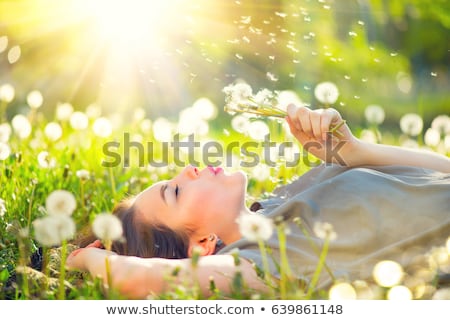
pixel 312 130
pixel 91 258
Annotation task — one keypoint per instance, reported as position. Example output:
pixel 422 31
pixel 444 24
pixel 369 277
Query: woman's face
pixel 206 201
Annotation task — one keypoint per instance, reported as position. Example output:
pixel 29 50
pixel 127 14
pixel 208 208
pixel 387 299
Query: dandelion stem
pixel 113 182
pixel 62 271
pixel 30 205
pixel 320 264
pixel 265 262
pixel 285 270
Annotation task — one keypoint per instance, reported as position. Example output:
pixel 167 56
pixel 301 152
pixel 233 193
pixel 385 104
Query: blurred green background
pixel 164 55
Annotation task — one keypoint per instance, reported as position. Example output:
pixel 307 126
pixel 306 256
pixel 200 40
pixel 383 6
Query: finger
pixel 95 244
pixel 315 118
pixel 292 116
pixel 292 126
pixel 329 117
pixel 303 115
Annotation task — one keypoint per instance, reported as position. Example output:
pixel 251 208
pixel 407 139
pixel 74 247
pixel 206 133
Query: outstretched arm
pixel 310 127
pixel 136 278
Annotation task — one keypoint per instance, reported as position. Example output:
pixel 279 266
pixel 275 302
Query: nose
pixel 189 172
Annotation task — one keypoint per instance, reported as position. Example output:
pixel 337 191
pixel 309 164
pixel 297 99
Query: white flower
pixel 45 160
pixel 441 124
pixel 411 124
pixel 53 131
pixel 432 137
pixel 324 230
pixel 374 114
pixel 52 230
pixel 35 99
pixel 326 93
pixel 83 174
pixel 107 226
pixel 102 127
pixel 5 151
pixel 64 111
pixel 255 227
pixel 388 273
pixel 5 132
pixel 2 207
pixel 21 126
pixel 7 93
pixel 60 202
pixel 79 120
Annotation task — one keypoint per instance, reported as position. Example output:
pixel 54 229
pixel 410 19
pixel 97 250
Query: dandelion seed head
pixel 5 132
pixel 441 123
pixel 35 99
pixel 324 230
pixel 162 129
pixel 45 160
pixel 342 291
pixel 2 208
pixel 107 227
pixel 52 230
pixel 432 137
pixel 236 93
pixel 21 126
pixel 261 172
pixel 14 54
pixel 60 202
pixel 411 124
pixel 286 97
pixel 399 293
pixel 240 123
pixel 53 131
pixel 374 114
pixel 79 120
pixel 326 93
pixel 93 111
pixel 388 273
pixel 255 227
pixel 258 130
pixel 146 125
pixel 205 108
pixel 83 174
pixel 102 127
pixel 7 93
pixel 64 111
pixel 5 151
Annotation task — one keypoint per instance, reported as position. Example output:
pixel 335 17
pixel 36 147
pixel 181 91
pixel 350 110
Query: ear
pixel 206 245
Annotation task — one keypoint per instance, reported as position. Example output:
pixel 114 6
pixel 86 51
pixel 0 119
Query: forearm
pixel 379 155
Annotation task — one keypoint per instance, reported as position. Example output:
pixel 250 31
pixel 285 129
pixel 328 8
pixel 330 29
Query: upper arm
pixel 138 277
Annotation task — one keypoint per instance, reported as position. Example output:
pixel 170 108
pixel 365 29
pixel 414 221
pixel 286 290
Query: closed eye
pixel 177 190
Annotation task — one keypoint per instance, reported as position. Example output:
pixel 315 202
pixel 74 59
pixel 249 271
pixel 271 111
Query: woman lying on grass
pixel 385 203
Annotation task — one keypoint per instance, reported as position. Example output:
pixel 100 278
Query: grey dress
pixel 379 213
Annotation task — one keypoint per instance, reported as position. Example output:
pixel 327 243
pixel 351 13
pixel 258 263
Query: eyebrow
pixel 162 192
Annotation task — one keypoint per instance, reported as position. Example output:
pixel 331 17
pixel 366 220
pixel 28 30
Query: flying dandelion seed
pixel 3 43
pixel 255 227
pixel 388 273
pixel 14 54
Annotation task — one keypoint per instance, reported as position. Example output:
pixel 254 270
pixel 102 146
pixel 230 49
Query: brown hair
pixel 143 239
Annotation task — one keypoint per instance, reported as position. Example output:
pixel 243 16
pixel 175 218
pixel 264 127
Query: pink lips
pixel 215 170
